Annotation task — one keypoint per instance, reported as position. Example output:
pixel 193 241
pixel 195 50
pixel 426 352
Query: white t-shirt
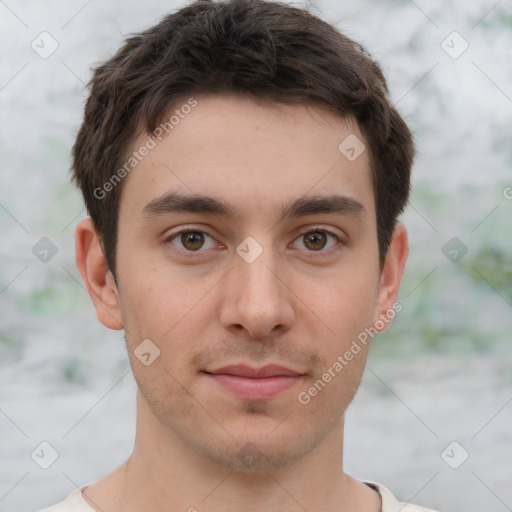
pixel 75 502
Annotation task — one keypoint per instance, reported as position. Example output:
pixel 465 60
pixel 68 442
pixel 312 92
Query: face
pixel 247 254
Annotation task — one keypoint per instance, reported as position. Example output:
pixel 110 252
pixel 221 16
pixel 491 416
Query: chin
pixel 256 455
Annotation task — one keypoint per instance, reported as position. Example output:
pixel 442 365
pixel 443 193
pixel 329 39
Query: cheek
pixel 170 321
pixel 172 311
pixel 345 303
pixel 344 310
pixel 329 393
pixel 153 298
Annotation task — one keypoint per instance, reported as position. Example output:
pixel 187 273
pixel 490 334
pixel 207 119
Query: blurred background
pixel 432 420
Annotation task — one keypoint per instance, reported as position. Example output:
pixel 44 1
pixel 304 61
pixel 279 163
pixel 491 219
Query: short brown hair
pixel 263 49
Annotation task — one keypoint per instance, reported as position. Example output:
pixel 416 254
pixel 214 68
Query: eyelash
pixel 318 229
pixel 314 254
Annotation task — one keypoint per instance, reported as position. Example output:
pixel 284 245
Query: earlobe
pixel 97 278
pixel 391 274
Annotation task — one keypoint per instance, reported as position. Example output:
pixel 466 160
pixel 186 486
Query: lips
pixel 255 383
pixel 270 370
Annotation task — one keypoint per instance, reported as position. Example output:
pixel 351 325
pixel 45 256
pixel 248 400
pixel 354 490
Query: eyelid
pixel 324 229
pixel 319 227
pixel 170 236
pixel 173 232
pixel 339 236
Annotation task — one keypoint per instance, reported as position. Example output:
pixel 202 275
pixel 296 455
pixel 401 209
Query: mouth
pixel 251 383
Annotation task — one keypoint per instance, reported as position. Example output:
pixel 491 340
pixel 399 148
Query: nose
pixel 257 299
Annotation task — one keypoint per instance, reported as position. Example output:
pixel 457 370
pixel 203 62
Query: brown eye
pixel 315 240
pixel 318 240
pixel 192 240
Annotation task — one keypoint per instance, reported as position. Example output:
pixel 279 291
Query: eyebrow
pixel 173 202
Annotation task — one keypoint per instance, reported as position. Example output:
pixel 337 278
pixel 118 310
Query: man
pixel 243 168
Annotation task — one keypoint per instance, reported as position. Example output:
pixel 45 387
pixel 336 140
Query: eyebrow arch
pixel 196 203
pixel 311 205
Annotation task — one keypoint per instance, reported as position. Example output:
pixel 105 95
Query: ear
pixel 390 278
pixel 98 279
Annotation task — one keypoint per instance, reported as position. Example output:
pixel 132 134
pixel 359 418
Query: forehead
pixel 251 153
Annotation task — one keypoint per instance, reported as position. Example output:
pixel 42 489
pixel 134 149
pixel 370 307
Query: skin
pixel 294 306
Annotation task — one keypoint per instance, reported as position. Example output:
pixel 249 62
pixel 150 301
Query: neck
pixel 164 473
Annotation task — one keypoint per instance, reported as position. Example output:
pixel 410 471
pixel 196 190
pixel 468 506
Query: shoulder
pixel 391 504
pixel 76 503
pixel 73 503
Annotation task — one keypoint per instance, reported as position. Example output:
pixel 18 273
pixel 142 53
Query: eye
pixel 191 240
pixel 317 240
